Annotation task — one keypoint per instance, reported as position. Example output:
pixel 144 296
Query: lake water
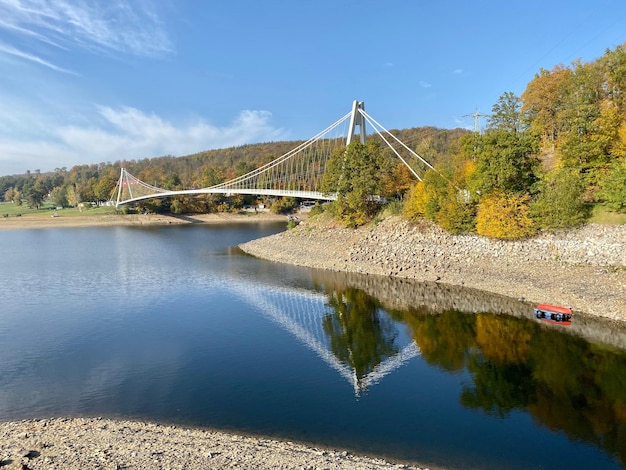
pixel 174 324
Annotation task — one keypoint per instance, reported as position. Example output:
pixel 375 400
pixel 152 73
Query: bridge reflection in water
pixel 349 331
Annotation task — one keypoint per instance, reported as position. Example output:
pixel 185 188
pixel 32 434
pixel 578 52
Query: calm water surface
pixel 174 324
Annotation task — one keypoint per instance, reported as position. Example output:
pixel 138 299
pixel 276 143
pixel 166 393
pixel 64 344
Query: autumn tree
pixel 541 102
pixel 397 182
pixel 506 216
pixel 582 121
pixel 9 194
pixel 441 196
pixel 73 198
pixel 425 197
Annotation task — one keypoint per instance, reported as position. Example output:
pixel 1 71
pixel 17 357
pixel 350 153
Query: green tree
pixel 506 114
pixel 171 181
pixel 211 176
pixel 284 205
pixel 506 161
pixel 456 215
pixel 583 123
pixel 35 194
pixel 58 196
pixel 86 189
pixel 613 186
pixel 559 203
pixel 613 64
pixel 355 174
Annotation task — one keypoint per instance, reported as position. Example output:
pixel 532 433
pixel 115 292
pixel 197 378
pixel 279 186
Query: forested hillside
pixel 544 160
pixel 97 182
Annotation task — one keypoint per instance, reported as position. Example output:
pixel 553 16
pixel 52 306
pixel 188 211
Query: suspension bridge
pixel 298 173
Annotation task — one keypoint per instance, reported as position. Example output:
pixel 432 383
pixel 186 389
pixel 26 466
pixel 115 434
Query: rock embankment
pixel 583 268
pixel 106 444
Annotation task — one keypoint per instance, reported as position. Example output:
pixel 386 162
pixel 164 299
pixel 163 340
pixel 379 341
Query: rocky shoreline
pixel 584 268
pixel 83 443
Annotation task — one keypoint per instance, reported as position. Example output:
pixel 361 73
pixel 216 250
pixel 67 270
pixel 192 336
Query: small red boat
pixel 554 314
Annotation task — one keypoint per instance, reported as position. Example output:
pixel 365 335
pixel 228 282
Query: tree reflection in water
pixel 361 334
pixel 564 382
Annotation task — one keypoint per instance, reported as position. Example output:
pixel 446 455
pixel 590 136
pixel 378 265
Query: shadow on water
pixel 569 379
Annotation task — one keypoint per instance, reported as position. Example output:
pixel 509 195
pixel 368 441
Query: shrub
pixel 455 214
pixel 424 199
pixel 504 216
pixel 394 208
pixel 316 209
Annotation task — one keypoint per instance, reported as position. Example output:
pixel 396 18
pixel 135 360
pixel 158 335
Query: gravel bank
pixel 584 268
pixel 108 444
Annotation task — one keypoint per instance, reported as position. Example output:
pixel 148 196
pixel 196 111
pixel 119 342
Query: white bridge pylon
pixel 298 173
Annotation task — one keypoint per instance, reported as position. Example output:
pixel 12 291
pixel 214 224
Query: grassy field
pixel 600 215
pixel 9 209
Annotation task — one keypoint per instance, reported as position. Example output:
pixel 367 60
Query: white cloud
pixel 424 84
pixel 25 55
pixel 128 133
pixel 457 71
pixel 118 26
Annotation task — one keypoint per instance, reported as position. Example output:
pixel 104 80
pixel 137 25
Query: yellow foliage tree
pixel 455 215
pixel 619 146
pixel 415 202
pixel 505 216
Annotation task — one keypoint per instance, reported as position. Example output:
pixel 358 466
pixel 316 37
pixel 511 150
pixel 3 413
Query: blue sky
pixel 90 81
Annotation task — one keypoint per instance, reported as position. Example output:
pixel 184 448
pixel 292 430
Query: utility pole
pixel 476 115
